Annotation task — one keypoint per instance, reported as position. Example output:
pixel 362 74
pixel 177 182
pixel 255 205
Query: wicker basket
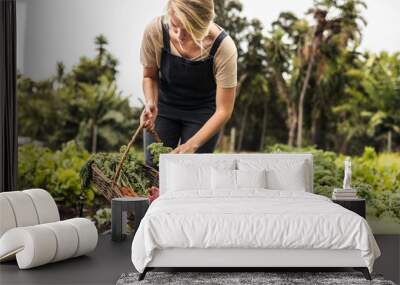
pixel 109 187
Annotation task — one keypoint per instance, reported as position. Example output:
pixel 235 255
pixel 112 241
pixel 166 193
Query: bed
pixel 247 210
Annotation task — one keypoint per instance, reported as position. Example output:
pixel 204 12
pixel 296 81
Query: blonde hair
pixel 195 15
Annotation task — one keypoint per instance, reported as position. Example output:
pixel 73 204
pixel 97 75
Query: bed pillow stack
pixel 231 175
pixel 216 176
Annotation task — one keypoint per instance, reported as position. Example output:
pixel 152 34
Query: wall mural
pixel 304 84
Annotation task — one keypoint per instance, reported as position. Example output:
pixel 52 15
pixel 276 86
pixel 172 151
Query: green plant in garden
pixel 377 178
pixel 55 171
pixel 102 219
pixel 134 173
pixel 156 149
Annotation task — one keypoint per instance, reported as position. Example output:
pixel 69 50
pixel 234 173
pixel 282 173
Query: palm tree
pixel 372 103
pixel 228 15
pixel 90 70
pixel 60 71
pixel 284 56
pixel 346 27
pixel 100 42
pixel 382 84
pixel 254 66
pixel 100 104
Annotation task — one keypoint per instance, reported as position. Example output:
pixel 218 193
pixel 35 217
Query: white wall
pixel 64 30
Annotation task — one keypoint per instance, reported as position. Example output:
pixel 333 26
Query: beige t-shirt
pixel 225 60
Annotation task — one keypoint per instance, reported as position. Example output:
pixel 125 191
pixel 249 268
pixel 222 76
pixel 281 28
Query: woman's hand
pixel 148 116
pixel 187 147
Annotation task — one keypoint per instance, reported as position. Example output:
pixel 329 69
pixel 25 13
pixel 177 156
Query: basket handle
pixel 136 133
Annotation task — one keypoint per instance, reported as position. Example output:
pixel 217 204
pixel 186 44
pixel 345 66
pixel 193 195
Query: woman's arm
pixel 150 91
pixel 149 57
pixel 225 101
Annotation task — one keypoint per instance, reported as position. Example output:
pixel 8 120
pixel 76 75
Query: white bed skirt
pixel 192 257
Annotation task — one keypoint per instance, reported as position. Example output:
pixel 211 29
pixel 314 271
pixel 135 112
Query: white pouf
pixel 66 237
pixel 23 209
pixel 46 208
pixel 7 218
pixel 31 232
pixel 32 246
pixel 87 235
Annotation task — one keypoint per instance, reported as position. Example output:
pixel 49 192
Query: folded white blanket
pixel 253 218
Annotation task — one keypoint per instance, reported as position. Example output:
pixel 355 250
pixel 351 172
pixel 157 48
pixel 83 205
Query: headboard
pixel 204 157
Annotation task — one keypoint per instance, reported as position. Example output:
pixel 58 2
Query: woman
pixel 189 77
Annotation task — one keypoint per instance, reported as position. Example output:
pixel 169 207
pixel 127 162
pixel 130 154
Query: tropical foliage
pixel 82 105
pixel 302 81
pixel 305 81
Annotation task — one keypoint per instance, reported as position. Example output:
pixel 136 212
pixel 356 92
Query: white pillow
pixel 282 174
pixel 184 174
pixel 251 178
pixel 223 179
pixel 227 179
pixel 183 178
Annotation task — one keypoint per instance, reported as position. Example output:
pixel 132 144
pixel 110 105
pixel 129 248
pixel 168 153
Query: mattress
pixel 250 219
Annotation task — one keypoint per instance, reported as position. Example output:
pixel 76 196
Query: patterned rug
pixel 243 278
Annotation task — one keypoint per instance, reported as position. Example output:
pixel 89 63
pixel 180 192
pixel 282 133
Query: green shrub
pixel 377 178
pixel 57 172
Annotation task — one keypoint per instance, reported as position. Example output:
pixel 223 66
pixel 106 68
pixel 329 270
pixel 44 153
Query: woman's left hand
pixel 185 148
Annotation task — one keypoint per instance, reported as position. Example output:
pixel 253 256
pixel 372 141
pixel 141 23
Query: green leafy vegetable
pixel 134 173
pixel 156 149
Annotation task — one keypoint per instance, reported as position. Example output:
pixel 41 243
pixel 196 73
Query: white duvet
pixel 250 219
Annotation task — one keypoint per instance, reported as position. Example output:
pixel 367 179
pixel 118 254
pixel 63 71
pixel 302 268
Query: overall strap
pixel 165 34
pixel 217 42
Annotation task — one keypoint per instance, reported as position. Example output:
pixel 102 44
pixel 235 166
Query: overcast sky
pixel 63 30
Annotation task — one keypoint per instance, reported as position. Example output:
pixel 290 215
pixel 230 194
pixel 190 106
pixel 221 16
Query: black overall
pixel 187 92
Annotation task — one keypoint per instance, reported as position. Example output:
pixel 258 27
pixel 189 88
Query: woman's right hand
pixel 148 116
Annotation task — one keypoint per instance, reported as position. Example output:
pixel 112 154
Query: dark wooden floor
pixel 103 266
pixel 111 259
